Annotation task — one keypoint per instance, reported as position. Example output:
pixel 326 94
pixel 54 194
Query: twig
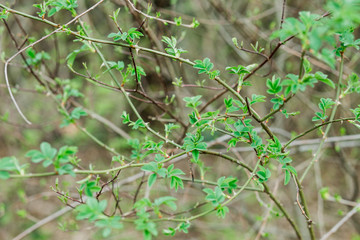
pixel 298 202
pixel 332 116
pixel 350 170
pixel 60 28
pixel 253 52
pixel 341 120
pixel 249 75
pixel 282 14
pixel 341 222
pixel 43 221
pixel 320 200
pixel 198 86
pixel 156 18
pixel 104 121
pixel 281 207
pixel 22 55
pixel 107 183
pixel 341 201
pixel 139 187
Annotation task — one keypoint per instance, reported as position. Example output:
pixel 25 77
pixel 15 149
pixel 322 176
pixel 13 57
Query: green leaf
pixel 162 172
pixel 278 101
pixel 194 142
pixel 264 174
pixel 126 117
pixel 323 78
pixel 4 14
pixel 77 113
pixel 325 103
pixel 140 72
pixel 284 160
pixel 52 12
pixel 257 98
pixel 169 127
pixel 178 21
pixel 192 102
pixel 228 183
pixel 92 210
pixel 356 113
pixel 138 124
pixel 71 57
pixel 204 66
pixel 324 192
pixel 195 154
pixel 195 23
pixel 261 174
pixel 133 33
pixel 273 85
pixel 90 187
pixel 169 232
pixel 47 163
pixel 7 164
pixel 150 167
pixel 319 116
pixel 238 70
pixel 47 150
pixel 287 177
pixel 66 169
pixel 35 155
pixel 152 179
pixel 172 50
pixel 176 182
pixel 118 36
pixel 159 158
pixel 291 169
pixel 221 211
pixel 214 196
pixel 307 65
pixel 167 200
pixel 142 203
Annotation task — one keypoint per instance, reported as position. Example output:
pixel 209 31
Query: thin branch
pixel 249 75
pixel 341 120
pixel 253 52
pixel 199 86
pixel 341 222
pixel 138 188
pixel 298 202
pixel 332 116
pixel 156 18
pixel 59 29
pixel 282 14
pixel 22 55
pixel 107 183
pixel 282 209
pixel 43 221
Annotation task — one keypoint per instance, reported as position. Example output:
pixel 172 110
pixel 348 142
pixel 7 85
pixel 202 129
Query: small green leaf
pixel 221 211
pixel 204 66
pixel 324 192
pixel 78 112
pixel 287 177
pixel 192 102
pixel 47 150
pixel 195 154
pixel 323 78
pixel 152 179
pixel 150 167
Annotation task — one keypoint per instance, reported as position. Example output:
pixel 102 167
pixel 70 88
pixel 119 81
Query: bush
pixel 143 120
